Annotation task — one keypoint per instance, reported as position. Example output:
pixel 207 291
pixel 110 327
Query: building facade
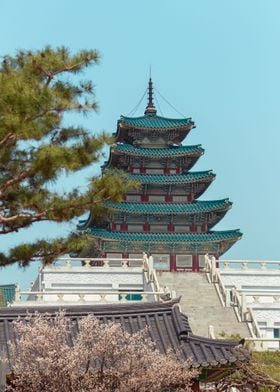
pixel 164 217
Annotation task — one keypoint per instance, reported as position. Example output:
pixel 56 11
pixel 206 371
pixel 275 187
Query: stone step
pixel 200 302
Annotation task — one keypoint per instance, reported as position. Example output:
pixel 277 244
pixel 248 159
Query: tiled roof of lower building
pixel 155 122
pixel 170 208
pixel 212 236
pixel 167 327
pixel 173 151
pixel 185 178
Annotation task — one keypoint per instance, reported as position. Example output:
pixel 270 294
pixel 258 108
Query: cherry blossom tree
pixel 51 354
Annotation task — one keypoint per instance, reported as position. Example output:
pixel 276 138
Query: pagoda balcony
pixel 130 157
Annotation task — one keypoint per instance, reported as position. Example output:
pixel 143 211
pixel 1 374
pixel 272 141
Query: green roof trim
pixel 156 122
pixel 212 236
pixel 172 151
pixel 185 178
pixel 170 208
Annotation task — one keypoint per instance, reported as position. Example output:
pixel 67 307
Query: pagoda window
pixel 172 171
pixel 161 261
pixel 182 229
pixel 159 198
pixel 114 255
pixel 198 229
pixel 135 263
pixel 154 171
pixel 135 228
pixel 136 170
pixel 134 218
pixel 133 197
pixel 183 220
pixel 181 198
pixel 183 261
pixel 159 228
pixel 154 164
pixel 157 191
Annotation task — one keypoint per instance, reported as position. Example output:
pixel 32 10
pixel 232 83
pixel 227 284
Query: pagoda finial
pixel 150 108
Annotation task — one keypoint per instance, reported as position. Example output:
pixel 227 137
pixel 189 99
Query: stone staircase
pixel 200 302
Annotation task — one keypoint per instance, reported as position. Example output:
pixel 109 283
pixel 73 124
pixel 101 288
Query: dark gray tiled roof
pixel 168 327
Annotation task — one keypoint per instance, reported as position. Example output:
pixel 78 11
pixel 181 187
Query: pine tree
pixel 37 89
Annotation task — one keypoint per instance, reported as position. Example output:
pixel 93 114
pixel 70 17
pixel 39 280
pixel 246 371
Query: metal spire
pixel 150 108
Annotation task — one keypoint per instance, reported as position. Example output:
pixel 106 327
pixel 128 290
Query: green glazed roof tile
pixel 155 122
pixel 172 151
pixel 184 178
pixel 212 236
pixel 170 208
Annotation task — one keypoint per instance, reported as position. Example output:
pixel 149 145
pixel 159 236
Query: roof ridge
pixel 155 116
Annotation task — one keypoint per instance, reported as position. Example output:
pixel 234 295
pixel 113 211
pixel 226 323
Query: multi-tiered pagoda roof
pixel 164 217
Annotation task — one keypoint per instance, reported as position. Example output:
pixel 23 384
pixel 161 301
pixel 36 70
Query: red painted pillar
pixel 169 198
pixel 123 227
pixel 146 227
pixel 190 197
pixel 170 227
pixel 193 228
pixel 172 263
pixel 166 170
pixel 195 265
pixel 144 198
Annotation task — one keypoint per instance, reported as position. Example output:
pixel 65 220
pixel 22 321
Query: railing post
pixel 151 267
pixel 213 269
pixel 2 374
pixel 211 333
pixel 17 293
pixel 227 298
pixel 145 261
pixel 125 263
pixel 243 306
pixel 206 262
pixel 87 263
pixel 68 263
pixel 105 263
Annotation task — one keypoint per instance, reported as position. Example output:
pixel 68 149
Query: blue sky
pixel 217 61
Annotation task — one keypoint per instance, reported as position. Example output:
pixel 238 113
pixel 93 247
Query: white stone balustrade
pixel 264 344
pixel 67 262
pixel 78 297
pixel 248 264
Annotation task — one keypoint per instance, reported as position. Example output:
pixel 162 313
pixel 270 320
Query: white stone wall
pixel 96 279
pixel 266 309
pixel 259 280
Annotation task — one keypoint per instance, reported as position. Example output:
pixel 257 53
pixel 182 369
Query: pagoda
pixel 164 218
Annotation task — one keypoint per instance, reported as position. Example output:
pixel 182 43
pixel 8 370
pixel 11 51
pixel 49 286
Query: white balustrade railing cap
pixel 89 292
